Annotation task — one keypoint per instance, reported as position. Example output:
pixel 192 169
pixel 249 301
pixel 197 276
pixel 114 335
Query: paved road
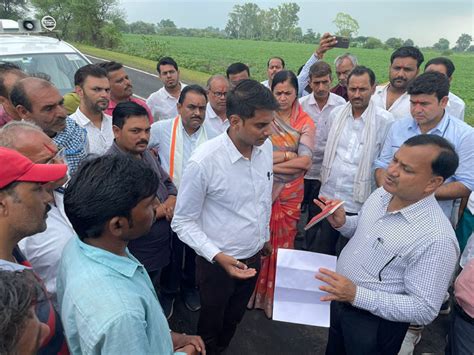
pixel 143 83
pixel 257 334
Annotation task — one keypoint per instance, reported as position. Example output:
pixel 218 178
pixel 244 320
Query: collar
pixel 195 134
pixel 440 127
pixel 168 95
pixel 412 213
pixel 83 120
pixel 6 265
pixel 234 153
pixel 123 265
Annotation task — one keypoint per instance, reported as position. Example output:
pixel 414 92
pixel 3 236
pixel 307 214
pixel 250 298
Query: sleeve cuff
pixel 209 251
pixel 364 299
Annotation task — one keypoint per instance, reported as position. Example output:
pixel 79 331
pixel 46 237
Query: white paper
pixel 297 291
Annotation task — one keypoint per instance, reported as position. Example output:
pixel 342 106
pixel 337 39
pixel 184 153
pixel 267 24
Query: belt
pixel 253 259
pixel 463 314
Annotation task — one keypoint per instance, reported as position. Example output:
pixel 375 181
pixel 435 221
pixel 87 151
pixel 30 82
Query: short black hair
pixel 6 68
pixel 429 83
pixel 247 97
pixel 360 70
pixel 448 64
pixel 446 162
pixel 124 110
pixel 191 88
pixel 111 66
pixel 320 69
pixel 106 187
pixel 408 51
pixel 166 61
pixel 19 290
pixel 285 75
pixel 93 70
pixel 279 58
pixel 236 68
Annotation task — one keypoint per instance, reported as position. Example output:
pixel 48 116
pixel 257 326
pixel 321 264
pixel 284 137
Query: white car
pixel 37 54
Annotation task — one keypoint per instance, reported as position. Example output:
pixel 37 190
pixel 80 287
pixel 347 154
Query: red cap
pixel 16 167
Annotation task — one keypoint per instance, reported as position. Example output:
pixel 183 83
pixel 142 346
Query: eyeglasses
pixel 60 155
pixel 219 94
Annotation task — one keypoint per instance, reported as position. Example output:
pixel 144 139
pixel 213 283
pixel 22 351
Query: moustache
pixel 401 79
pixel 142 142
pixel 47 209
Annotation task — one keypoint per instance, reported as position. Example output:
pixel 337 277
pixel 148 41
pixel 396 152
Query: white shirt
pixel 44 250
pixel 224 201
pixel 99 139
pixel 311 107
pixel 162 104
pixel 340 182
pixel 214 122
pixel 265 83
pixel 399 109
pixel 160 138
pixel 456 106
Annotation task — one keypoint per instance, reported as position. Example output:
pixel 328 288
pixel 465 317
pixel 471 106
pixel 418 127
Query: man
pixel 428 99
pixel 162 103
pixel 132 134
pixel 9 75
pixel 121 88
pixel 343 63
pixel 274 65
pixel 216 116
pixel 354 135
pixel 318 106
pixel 456 105
pixel 404 67
pixel 175 141
pixel 223 211
pixel 23 212
pixel 107 301
pixel 38 101
pixel 42 250
pixel 21 332
pixel 93 88
pixel 382 282
pixel 237 72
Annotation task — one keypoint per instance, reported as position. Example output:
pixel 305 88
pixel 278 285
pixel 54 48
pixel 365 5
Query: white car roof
pixel 12 44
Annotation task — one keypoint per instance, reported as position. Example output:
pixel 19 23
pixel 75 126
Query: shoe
pixel 191 300
pixel 167 303
pixel 445 308
pixel 412 338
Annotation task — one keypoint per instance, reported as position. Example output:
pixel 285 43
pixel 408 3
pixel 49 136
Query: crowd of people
pixel 111 206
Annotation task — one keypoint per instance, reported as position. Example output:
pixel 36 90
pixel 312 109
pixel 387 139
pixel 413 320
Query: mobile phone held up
pixel 342 42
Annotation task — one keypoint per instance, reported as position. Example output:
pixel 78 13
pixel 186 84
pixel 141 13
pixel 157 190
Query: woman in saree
pixel 292 136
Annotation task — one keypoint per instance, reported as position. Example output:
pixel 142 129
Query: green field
pixel 212 56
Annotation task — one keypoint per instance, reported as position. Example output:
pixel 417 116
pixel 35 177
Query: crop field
pixel 212 56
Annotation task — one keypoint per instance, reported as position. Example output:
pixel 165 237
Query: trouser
pixel 181 271
pixel 311 191
pixel 461 333
pixel 223 302
pixel 355 331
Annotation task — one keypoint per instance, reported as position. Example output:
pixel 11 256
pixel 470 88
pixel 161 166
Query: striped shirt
pixel 402 261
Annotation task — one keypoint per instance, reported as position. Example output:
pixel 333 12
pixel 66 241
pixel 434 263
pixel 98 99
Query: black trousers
pixel 223 302
pixel 461 333
pixel 354 332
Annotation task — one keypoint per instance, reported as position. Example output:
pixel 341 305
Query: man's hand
pixel 267 249
pixel 160 211
pixel 169 207
pixel 340 288
pixel 189 344
pixel 234 268
pixel 327 42
pixel 338 218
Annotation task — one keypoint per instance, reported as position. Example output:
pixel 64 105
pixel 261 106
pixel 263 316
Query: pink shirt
pixel 112 105
pixel 464 288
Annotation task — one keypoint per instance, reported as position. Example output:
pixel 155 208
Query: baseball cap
pixel 16 167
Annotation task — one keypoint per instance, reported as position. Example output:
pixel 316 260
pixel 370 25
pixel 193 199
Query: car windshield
pixel 59 68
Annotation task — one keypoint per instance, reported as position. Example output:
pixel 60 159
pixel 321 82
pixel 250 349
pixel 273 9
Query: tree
pixel 82 21
pixel 166 23
pixel 408 42
pixel 309 36
pixel 143 28
pixel 463 42
pixel 470 49
pixel 441 45
pixel 13 9
pixel 373 43
pixel 288 21
pixel 346 25
pixel 243 22
pixel 393 42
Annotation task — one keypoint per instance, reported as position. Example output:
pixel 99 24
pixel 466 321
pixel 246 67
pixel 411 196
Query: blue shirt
pixel 108 304
pixel 458 133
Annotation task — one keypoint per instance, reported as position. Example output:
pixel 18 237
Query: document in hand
pixel 328 210
pixel 297 291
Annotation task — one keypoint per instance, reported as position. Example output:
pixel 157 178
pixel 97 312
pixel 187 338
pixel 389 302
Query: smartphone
pixel 342 42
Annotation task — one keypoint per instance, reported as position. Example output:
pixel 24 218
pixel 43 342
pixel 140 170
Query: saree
pixel 287 194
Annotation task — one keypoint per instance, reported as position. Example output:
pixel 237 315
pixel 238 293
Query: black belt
pixel 252 259
pixel 463 314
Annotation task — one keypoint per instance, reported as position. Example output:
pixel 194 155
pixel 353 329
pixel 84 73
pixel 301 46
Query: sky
pixel 424 21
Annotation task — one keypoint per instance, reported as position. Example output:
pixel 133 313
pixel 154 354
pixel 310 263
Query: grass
pixel 200 57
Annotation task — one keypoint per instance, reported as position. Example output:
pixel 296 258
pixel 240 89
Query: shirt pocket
pixel 379 260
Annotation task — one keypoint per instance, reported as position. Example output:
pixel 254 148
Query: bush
pixel 111 37
pixel 447 52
